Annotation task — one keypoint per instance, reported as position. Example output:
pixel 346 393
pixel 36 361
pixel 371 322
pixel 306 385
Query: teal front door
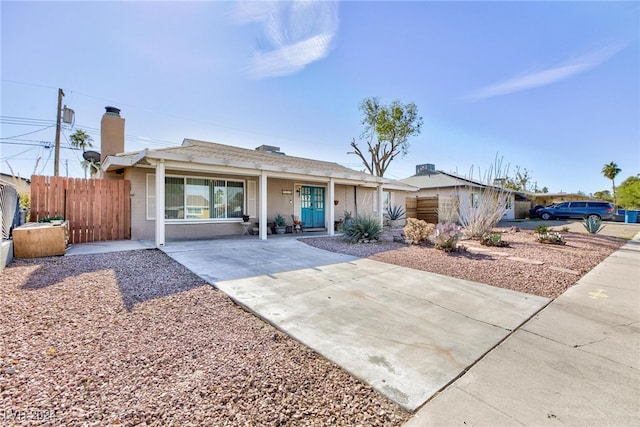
pixel 312 206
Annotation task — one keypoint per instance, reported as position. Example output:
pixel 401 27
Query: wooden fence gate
pixel 425 208
pixel 97 209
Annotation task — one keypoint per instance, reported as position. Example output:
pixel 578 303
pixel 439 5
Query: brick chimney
pixel 111 133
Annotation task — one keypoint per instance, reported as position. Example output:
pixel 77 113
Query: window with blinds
pixel 189 198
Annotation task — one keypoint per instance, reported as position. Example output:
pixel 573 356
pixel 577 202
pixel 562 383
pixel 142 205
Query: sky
pixel 550 87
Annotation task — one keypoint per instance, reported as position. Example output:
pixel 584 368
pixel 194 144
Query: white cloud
pixel 295 34
pixel 545 77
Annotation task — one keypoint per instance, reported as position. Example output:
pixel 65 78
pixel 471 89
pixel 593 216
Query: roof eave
pixel 112 163
pixel 337 175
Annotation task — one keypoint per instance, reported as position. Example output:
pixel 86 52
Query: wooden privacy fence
pixel 97 209
pixel 425 208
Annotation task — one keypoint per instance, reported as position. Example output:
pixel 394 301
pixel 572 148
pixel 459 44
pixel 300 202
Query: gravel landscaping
pixel 526 265
pixel 133 338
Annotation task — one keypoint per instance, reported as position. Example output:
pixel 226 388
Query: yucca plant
pixel 362 227
pixel 593 224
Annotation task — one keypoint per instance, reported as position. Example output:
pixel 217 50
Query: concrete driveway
pixel 407 333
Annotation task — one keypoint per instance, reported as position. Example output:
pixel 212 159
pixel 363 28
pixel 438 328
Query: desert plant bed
pixel 136 339
pixel 551 269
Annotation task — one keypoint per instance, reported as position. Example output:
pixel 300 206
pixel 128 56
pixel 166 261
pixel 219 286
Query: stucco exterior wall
pixel 284 204
pixel 144 229
pixel 141 229
pixel 464 198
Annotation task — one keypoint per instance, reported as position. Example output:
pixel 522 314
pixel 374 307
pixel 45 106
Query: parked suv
pixel 578 209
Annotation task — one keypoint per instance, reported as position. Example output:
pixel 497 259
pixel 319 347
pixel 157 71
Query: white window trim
pixel 151 178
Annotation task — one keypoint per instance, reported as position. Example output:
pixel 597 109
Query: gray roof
pixel 230 153
pixel 192 149
pixel 439 179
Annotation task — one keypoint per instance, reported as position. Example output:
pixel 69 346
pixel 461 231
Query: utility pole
pixel 58 118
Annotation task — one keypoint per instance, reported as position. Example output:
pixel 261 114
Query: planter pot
pixel 281 230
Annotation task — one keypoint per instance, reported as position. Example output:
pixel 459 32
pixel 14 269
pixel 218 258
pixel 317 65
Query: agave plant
pixel 394 212
pixel 362 228
pixel 593 224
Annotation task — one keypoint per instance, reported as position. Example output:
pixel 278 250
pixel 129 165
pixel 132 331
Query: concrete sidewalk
pixel 577 362
pixel 110 246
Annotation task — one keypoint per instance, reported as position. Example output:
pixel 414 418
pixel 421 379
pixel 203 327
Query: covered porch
pixel 204 190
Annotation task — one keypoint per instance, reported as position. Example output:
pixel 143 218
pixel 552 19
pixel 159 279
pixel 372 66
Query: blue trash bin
pixel 631 217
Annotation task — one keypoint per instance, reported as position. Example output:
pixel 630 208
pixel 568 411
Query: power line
pixel 45 144
pixel 28 133
pixel 15 155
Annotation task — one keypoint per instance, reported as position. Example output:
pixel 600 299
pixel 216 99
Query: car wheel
pixel 593 217
pixel 546 216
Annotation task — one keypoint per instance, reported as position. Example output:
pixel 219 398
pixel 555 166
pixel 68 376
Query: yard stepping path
pixel 525 260
pixel 564 270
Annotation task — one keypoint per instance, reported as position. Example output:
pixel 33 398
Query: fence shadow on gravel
pixel 140 275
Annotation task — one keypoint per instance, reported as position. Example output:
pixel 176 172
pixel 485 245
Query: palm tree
pixel 610 170
pixel 81 139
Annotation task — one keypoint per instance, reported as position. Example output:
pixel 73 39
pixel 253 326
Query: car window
pixel 578 204
pixel 562 205
pixel 599 204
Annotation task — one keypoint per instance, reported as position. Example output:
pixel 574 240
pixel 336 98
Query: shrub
pixel 593 224
pixel 362 228
pixel 447 236
pixel 25 202
pixel 542 229
pixel 51 218
pixel 417 230
pixel 493 239
pixel 550 237
pixel 394 212
pixel 279 221
pixel 565 229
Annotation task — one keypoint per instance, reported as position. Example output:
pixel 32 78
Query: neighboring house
pixel 202 189
pixel 452 191
pixel 21 184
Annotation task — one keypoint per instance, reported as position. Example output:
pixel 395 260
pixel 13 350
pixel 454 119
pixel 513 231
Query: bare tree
pixel 386 133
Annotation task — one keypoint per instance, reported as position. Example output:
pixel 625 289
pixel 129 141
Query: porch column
pixel 379 207
pixel 332 207
pixel 160 203
pixel 263 206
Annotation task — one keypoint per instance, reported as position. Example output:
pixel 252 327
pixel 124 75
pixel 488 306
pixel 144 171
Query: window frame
pixel 150 184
